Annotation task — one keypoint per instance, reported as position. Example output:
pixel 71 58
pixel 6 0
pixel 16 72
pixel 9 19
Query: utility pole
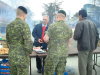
pixel 94 2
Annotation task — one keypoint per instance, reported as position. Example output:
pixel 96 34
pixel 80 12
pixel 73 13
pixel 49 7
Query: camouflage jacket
pixel 59 34
pixel 18 37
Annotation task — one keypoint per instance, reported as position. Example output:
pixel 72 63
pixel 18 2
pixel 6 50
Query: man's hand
pixel 40 40
pixel 46 38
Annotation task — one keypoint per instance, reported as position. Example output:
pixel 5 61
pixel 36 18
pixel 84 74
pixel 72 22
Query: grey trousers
pixel 85 62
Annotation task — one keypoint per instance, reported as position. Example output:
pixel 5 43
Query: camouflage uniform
pixel 19 41
pixel 59 34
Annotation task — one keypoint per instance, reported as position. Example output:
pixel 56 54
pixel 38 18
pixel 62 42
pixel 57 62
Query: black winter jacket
pixel 86 35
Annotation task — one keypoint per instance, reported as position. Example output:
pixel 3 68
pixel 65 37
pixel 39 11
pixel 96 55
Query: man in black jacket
pixel 87 37
pixel 38 34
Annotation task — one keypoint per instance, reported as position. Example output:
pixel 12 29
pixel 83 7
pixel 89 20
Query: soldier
pixel 19 42
pixel 58 35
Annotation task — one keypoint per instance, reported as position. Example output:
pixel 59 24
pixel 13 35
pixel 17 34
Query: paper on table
pixel 39 50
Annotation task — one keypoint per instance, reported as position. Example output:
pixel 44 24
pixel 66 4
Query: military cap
pixel 23 9
pixel 62 12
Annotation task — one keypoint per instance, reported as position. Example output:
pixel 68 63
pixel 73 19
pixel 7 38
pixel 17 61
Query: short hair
pixel 23 9
pixel 83 13
pixel 62 12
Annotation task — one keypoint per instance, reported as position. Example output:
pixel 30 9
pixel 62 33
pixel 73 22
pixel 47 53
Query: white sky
pixel 70 6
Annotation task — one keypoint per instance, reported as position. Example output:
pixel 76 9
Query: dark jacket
pixel 37 33
pixel 86 35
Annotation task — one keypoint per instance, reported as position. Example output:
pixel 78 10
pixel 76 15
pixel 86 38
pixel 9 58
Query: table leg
pixel 97 61
pixel 95 64
pixel 30 65
pixel 42 60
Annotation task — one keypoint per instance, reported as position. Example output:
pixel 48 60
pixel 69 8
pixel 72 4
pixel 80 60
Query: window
pixel 2 30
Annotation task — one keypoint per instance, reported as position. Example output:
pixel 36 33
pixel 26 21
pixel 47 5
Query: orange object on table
pixel 4 50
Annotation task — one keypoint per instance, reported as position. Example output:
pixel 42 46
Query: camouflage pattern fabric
pixel 18 37
pixel 19 69
pixel 59 34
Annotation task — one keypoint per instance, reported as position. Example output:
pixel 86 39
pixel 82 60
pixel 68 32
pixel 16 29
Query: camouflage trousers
pixel 54 64
pixel 19 69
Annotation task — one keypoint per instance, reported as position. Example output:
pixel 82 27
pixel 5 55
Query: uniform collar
pixel 18 19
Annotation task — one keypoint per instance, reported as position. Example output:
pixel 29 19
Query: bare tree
pixel 51 9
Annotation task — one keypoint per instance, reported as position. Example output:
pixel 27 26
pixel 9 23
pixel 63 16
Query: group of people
pixel 55 37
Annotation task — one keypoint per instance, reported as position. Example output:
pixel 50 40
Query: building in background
pixel 93 14
pixel 7 14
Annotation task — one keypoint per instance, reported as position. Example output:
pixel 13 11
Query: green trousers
pixel 54 64
pixel 85 62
